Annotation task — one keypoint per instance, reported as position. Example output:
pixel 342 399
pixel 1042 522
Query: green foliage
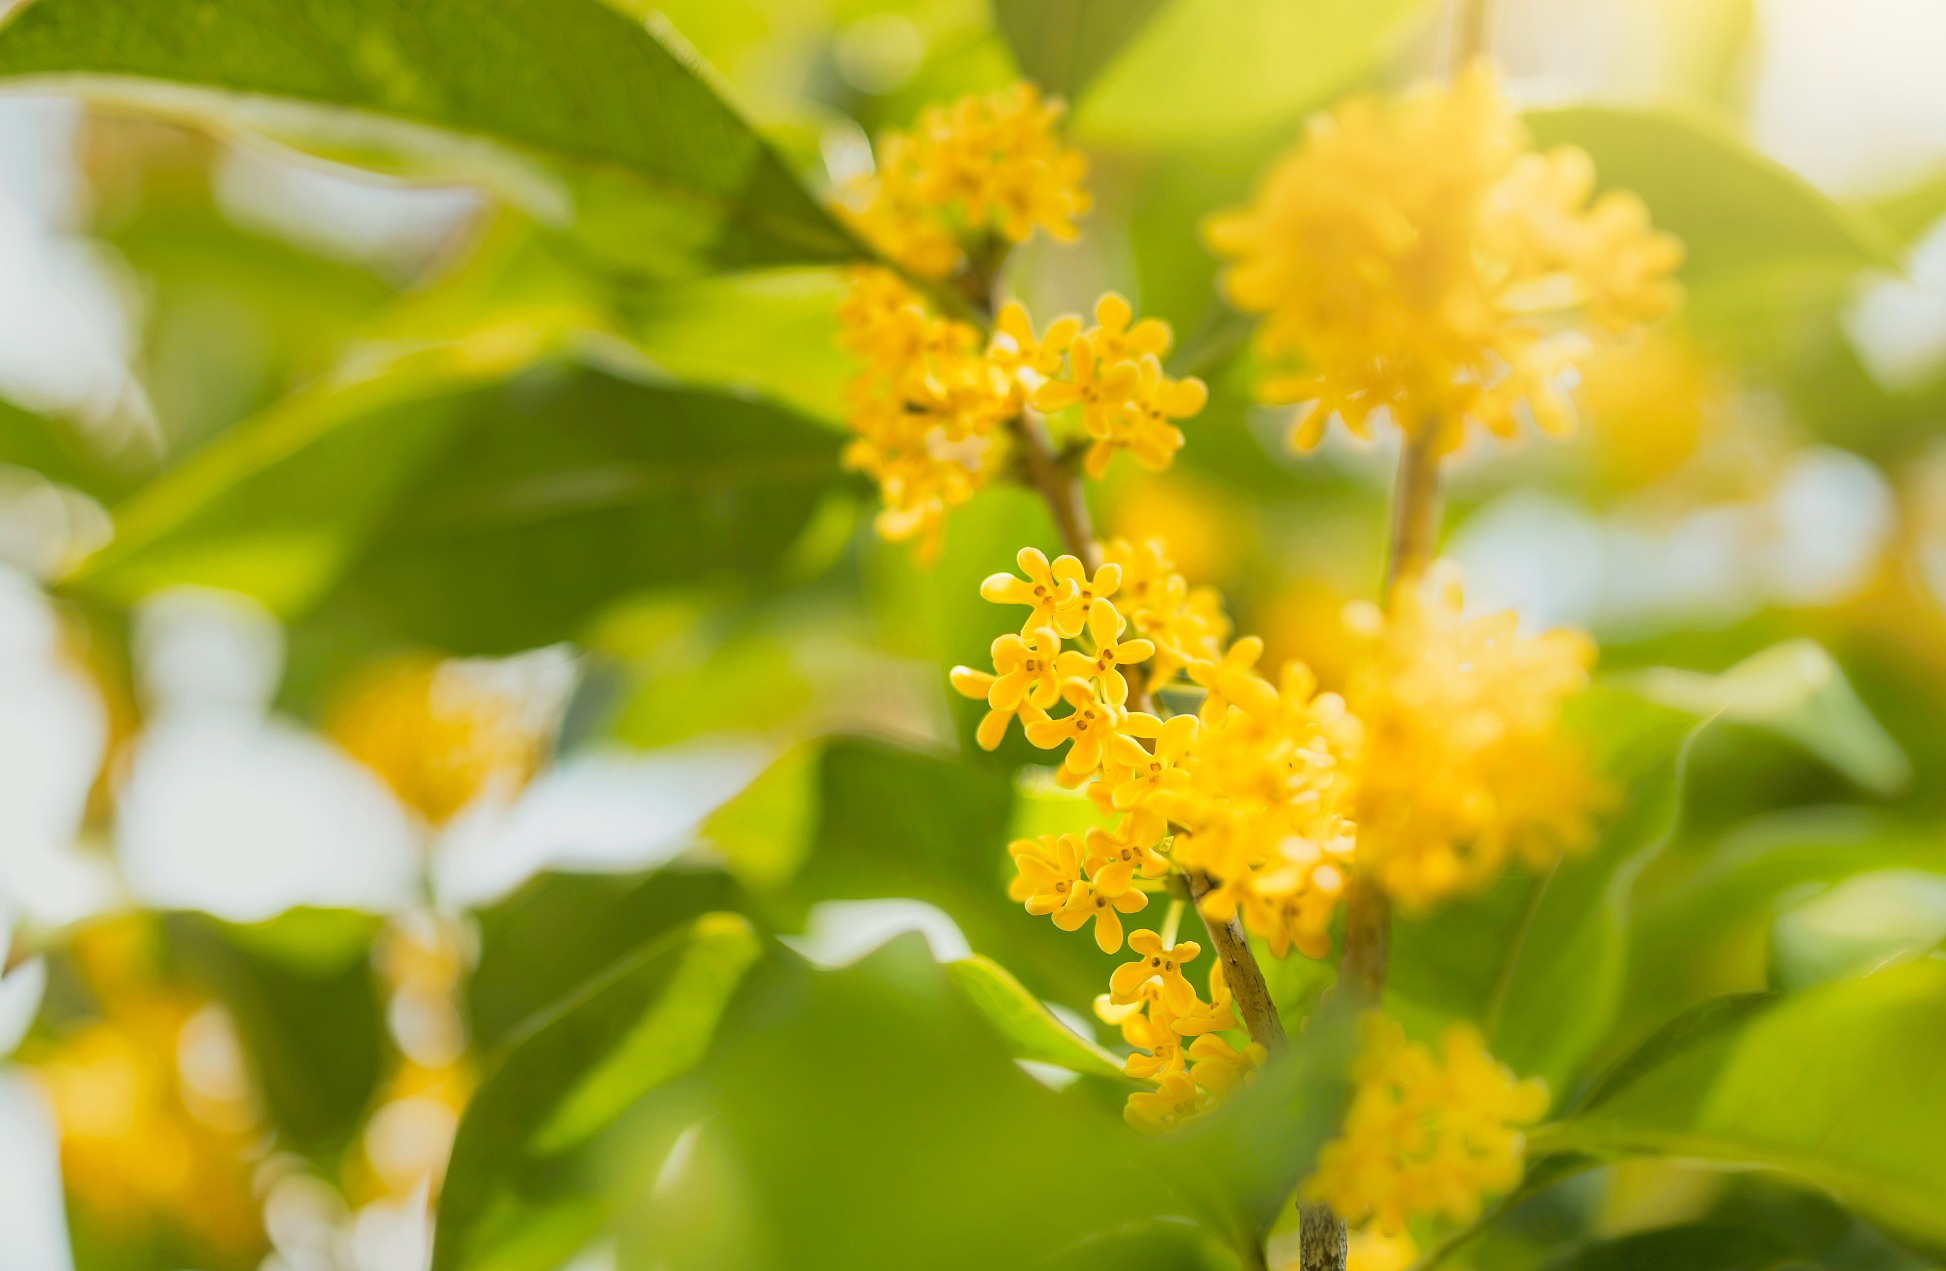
pixel 306 1009
pixel 1026 1024
pixel 657 170
pixel 1833 1085
pixel 1063 45
pixel 517 1195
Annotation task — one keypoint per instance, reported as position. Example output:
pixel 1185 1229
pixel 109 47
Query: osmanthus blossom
pixel 1417 256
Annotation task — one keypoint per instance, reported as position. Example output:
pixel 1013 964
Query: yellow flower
pixel 993 725
pixel 1161 963
pixel 1109 892
pixel 1230 681
pixel 983 163
pixel 1465 763
pixel 1221 1067
pixel 1026 670
pixel 1111 653
pixel 1100 387
pixel 1142 425
pixel 436 733
pixel 1425 1135
pixel 1416 256
pixel 1014 347
pixel 1185 625
pixel 1048 868
pixel 1373 1250
pixel 1048 592
pixel 1090 726
pixel 1107 580
pixel 1113 340
pixel 1172 1103
pixel 155 1109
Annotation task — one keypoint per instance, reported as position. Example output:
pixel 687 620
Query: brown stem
pixel 1240 969
pixel 1415 507
pixel 1062 492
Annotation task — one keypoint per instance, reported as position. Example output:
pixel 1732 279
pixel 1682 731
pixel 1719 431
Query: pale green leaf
pixel 1030 1030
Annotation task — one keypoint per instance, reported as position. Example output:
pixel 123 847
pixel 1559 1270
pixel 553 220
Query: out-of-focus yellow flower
pixel 1464 762
pixel 1648 403
pixel 1417 256
pixel 1425 1134
pixel 436 733
pixel 154 1106
pixel 1205 533
pixel 982 164
pixel 1373 1250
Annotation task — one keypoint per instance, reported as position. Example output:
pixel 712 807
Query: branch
pixel 1061 490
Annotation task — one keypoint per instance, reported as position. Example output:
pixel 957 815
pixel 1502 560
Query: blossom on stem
pixel 1425 1134
pixel 1048 589
pixel 1416 256
pixel 1111 653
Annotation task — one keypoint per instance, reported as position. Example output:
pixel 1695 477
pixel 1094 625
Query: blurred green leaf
pixel 1797 690
pixel 1062 45
pixel 57 451
pixel 1862 925
pixel 559 931
pixel 1200 73
pixel 569 488
pixel 1696 1247
pixel 311 1025
pixel 509 1199
pixel 1732 207
pixel 764 833
pixel 657 167
pixel 1913 211
pixel 278 507
pixel 1028 1027
pixel 871 1119
pixel 1540 962
pixel 770 332
pixel 1836 1085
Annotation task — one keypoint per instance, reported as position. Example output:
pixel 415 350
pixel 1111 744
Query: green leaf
pixel 510 1199
pixel 1862 925
pixel 1837 1085
pixel 567 489
pixel 1198 73
pixel 306 1009
pixel 623 125
pixel 1733 208
pixel 764 833
pixel 1696 1247
pixel 1029 1028
pixel 559 931
pixel 1062 45
pixel 868 1118
pixel 277 508
pixel 1797 690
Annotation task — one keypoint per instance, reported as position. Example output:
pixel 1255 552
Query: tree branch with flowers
pixel 1414 262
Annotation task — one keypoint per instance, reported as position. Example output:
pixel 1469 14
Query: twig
pixel 1240 970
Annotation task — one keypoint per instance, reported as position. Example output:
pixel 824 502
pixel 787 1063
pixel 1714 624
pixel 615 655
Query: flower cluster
pixel 983 164
pixel 1465 762
pixel 1177 1037
pixel 1256 784
pixel 1425 1135
pixel 932 408
pixel 1417 256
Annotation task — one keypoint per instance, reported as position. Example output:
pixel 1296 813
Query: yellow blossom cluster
pixel 1465 763
pixel 157 1114
pixel 932 408
pixel 1425 1134
pixel 1177 1037
pixel 1418 256
pixel 1255 784
pixel 436 734
pixel 983 164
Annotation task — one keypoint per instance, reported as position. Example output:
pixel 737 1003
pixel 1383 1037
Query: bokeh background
pixel 411 602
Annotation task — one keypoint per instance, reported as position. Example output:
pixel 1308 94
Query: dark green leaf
pixel 1062 44
pixel 1699 1247
pixel 306 1010
pixel 516 1195
pixel 569 488
pixel 657 165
